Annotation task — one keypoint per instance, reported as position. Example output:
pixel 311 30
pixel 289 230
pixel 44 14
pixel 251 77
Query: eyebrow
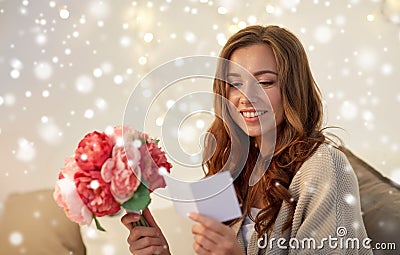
pixel 258 73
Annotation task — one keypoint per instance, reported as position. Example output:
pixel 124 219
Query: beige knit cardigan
pixel 328 206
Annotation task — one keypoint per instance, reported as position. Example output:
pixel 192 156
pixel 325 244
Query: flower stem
pixel 141 222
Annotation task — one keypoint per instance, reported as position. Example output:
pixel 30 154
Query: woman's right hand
pixel 145 240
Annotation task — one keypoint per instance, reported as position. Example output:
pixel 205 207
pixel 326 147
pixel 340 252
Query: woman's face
pixel 255 100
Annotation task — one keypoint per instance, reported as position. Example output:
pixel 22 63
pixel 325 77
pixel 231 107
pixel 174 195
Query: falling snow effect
pixel 26 150
pixel 350 199
pixel 323 34
pixel 84 84
pixel 70 67
pixel 348 110
pixel 16 238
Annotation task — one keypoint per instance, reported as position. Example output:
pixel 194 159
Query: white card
pixel 213 196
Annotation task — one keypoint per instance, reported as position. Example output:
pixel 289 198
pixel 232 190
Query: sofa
pixel 380 204
pixel 32 223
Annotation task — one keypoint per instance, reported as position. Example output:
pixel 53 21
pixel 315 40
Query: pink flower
pixel 70 168
pixel 137 135
pixel 124 177
pixel 127 133
pixel 93 150
pixel 153 159
pixel 118 133
pixel 95 193
pixel 66 196
pixel 106 171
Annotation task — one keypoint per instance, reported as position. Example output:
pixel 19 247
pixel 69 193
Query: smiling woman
pixel 295 184
pixel 256 103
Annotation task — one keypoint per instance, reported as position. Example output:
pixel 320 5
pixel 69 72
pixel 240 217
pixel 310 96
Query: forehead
pixel 252 58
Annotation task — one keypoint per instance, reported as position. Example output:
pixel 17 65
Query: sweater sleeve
pixel 327 217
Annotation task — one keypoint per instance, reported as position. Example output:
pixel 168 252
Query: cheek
pixel 276 103
pixel 233 96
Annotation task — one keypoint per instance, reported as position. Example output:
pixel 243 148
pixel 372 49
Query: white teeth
pixel 253 114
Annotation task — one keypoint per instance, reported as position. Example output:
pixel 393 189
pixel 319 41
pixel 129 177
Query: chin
pixel 253 134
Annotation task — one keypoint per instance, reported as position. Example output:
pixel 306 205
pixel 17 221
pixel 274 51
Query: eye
pixel 266 83
pixel 234 84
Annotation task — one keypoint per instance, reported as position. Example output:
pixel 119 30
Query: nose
pixel 248 94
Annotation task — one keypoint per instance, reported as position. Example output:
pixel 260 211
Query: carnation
pixel 150 165
pixel 123 174
pixel 93 150
pixel 118 133
pixel 95 193
pixel 69 169
pixel 66 196
pixel 109 171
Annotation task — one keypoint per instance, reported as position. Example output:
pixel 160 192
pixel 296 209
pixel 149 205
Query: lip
pixel 251 110
pixel 252 119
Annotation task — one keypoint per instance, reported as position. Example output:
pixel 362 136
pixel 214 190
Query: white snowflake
pixel 16 238
pixel 349 199
pixel 26 150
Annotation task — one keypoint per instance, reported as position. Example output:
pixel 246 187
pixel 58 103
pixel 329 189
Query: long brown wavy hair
pixel 297 137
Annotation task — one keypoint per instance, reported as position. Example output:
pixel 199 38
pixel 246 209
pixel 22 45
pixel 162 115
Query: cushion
pixel 32 223
pixel 380 204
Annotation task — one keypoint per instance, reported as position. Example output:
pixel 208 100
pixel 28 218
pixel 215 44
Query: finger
pixel 149 218
pixel 139 231
pixel 147 242
pixel 204 242
pixel 200 250
pixel 128 219
pixel 148 250
pixel 208 222
pixel 200 230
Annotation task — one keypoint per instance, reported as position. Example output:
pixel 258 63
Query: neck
pixel 266 144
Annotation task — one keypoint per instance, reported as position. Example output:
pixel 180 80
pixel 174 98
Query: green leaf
pixel 98 225
pixel 140 199
pixel 141 139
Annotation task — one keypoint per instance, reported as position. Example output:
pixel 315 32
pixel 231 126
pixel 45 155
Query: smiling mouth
pixel 253 114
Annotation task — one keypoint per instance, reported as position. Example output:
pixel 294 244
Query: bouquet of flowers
pixel 110 170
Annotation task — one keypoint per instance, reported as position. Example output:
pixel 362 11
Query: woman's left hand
pixel 213 237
